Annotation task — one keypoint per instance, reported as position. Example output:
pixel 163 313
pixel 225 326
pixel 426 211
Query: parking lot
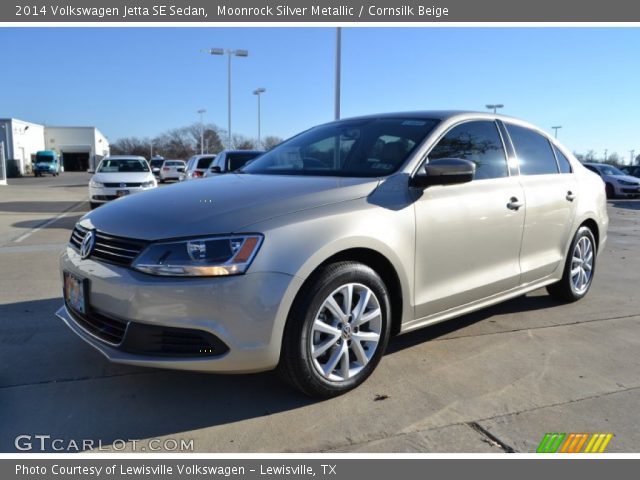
pixel 494 381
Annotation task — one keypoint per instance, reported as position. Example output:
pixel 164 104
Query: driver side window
pixel 478 142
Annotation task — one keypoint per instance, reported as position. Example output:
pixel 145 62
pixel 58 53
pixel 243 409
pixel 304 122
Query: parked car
pixel 331 242
pixel 197 166
pixel 46 161
pixel 633 170
pixel 617 183
pixel 231 160
pixel 156 165
pixel 172 170
pixel 118 176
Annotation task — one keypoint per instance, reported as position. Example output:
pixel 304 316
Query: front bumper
pixel 102 195
pixel 245 312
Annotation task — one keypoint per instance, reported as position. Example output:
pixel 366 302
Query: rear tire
pixel 337 330
pixel 579 268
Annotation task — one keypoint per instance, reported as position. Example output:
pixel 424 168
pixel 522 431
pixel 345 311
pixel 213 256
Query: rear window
pixel 563 162
pixel 157 163
pixel 174 164
pixel 205 162
pixel 238 160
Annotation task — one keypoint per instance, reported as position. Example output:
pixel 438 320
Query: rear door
pixel 468 236
pixel 551 192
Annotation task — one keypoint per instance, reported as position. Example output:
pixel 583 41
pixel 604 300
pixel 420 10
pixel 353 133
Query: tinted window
pixel 593 169
pixel 533 151
pixel 238 160
pixel 478 142
pixel 369 147
pixel 563 162
pixel 205 162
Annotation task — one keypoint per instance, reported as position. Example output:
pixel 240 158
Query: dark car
pixel 230 160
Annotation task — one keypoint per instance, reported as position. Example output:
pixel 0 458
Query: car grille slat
pixel 109 248
pixel 105 328
pixel 126 185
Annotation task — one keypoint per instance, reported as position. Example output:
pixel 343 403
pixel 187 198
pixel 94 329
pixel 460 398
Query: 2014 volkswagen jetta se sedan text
pixel 309 258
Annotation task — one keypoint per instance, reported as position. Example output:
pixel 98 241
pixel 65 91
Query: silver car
pixel 617 183
pixel 311 257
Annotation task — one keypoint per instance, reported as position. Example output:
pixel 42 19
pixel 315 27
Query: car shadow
pixel 55 384
pixel 626 204
pixel 66 222
pixel 37 207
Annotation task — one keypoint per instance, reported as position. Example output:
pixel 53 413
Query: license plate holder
pixel 122 193
pixel 76 291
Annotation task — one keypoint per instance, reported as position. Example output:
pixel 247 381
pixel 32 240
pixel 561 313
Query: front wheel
pixel 337 330
pixel 579 268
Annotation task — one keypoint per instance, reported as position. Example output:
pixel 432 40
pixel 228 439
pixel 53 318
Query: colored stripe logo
pixel 574 442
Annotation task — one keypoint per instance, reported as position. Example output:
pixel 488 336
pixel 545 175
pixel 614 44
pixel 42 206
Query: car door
pixel 468 236
pixel 550 202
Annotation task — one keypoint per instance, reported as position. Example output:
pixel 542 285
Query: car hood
pixel 220 205
pixel 125 177
pixel 626 178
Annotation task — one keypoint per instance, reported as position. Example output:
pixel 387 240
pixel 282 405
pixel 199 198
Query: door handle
pixel 570 196
pixel 514 204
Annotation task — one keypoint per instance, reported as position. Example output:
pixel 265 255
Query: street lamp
pixel 202 111
pixel 257 92
pixel 230 53
pixel 555 130
pixel 494 106
pixel 338 70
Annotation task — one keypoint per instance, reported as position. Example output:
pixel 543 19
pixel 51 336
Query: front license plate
pixel 122 193
pixel 74 292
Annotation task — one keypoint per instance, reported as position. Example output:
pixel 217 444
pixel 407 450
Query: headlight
pixel 150 183
pixel 200 257
pixel 95 184
pixel 624 182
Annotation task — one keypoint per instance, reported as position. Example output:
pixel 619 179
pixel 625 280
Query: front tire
pixel 579 268
pixel 337 330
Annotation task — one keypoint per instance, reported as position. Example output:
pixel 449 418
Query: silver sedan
pixel 311 257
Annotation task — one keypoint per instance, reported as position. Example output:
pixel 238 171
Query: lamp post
pixel 555 130
pixel 202 111
pixel 257 92
pixel 338 71
pixel 494 106
pixel 230 53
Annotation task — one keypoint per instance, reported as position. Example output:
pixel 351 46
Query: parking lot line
pixel 51 221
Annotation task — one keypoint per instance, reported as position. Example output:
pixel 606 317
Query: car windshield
pixel 157 163
pixel 44 158
pixel 123 165
pixel 371 147
pixel 609 170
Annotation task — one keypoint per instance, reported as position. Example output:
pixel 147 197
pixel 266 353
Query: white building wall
pixel 25 139
pixel 78 140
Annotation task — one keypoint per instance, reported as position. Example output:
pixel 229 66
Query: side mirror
pixel 215 169
pixel 444 171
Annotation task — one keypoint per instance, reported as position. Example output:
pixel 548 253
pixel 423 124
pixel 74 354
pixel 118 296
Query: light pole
pixel 202 111
pixel 237 53
pixel 632 155
pixel 494 106
pixel 338 69
pixel 555 130
pixel 257 92
pixel 605 154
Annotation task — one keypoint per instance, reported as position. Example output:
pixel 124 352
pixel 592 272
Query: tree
pixel 590 156
pixel 211 137
pixel 271 141
pixel 243 143
pixel 579 156
pixel 131 146
pixel 613 159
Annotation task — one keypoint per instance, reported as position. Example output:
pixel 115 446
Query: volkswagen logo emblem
pixel 122 185
pixel 86 247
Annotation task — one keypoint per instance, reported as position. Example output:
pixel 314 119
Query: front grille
pixel 120 185
pixel 109 248
pixel 169 341
pixel 105 328
pixel 105 197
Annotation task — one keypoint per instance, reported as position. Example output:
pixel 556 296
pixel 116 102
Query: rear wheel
pixel 579 268
pixel 337 330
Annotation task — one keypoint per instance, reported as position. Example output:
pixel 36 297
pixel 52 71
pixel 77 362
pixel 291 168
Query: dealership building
pixel 80 148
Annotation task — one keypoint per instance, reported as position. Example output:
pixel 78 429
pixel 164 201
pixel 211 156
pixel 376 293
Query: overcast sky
pixel 142 81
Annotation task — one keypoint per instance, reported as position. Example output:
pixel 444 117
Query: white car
pixel 197 166
pixel 119 176
pixel 617 183
pixel 172 170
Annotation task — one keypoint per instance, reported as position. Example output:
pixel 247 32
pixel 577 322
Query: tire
pixel 611 192
pixel 572 288
pixel 94 205
pixel 312 327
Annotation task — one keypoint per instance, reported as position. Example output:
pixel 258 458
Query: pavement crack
pixel 490 438
pixel 78 379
